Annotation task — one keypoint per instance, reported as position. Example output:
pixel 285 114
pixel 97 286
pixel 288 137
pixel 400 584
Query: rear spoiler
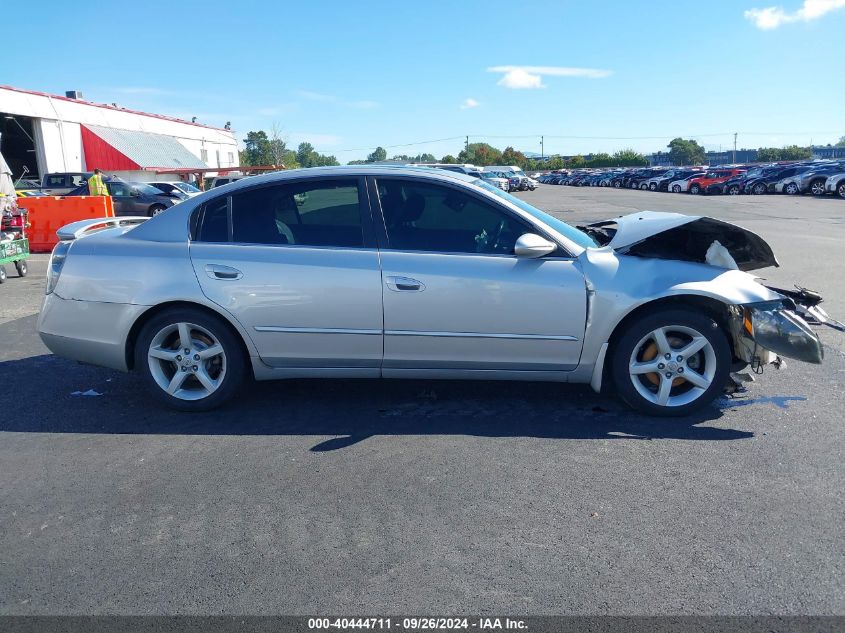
pixel 75 230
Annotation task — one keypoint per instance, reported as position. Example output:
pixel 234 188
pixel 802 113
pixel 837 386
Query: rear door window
pixel 312 213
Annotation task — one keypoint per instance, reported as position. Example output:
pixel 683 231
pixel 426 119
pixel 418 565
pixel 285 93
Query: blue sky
pixel 347 76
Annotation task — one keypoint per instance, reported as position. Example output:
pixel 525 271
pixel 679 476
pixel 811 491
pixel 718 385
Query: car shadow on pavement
pixel 60 396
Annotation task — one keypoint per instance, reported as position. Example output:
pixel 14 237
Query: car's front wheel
pixel 671 362
pixel 734 190
pixel 695 189
pixel 191 360
pixel 759 189
pixel 156 209
pixel 676 188
pixel 792 189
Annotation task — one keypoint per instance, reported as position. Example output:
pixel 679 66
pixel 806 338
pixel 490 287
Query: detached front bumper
pixel 774 327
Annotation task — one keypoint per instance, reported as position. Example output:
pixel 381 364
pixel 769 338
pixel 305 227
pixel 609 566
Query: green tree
pixel 378 155
pixel 305 155
pixel 513 157
pixel 555 162
pixel 794 152
pixel 449 159
pixel 425 158
pixel 577 161
pixel 768 154
pixel 257 150
pixel 629 158
pixel 480 154
pixel 686 152
pixel 600 160
pixel 841 142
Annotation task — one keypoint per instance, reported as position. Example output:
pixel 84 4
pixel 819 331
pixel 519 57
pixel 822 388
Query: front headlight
pixel 57 262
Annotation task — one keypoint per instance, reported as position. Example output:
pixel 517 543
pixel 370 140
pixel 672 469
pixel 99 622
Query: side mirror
pixel 531 246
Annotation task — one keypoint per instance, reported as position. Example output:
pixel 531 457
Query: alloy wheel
pixel 672 366
pixel 817 188
pixel 187 361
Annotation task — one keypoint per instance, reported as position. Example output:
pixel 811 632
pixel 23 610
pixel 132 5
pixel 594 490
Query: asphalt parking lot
pixel 313 497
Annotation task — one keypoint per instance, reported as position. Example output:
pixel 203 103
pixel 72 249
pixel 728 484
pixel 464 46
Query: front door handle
pixel 404 284
pixel 218 271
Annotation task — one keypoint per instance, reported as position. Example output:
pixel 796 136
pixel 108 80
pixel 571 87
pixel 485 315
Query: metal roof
pixel 148 150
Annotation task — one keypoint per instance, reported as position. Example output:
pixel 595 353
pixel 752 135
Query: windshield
pixel 186 187
pixel 570 232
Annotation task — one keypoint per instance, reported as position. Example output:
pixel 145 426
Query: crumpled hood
pixel 681 237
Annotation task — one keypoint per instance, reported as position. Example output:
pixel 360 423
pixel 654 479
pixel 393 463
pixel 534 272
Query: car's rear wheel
pixel 653 187
pixel 791 189
pixel 733 190
pixel 617 184
pixel 676 188
pixel 759 189
pixel 156 209
pixel 671 362
pixel 643 186
pixel 695 189
pixel 817 187
pixel 191 360
pixel 841 190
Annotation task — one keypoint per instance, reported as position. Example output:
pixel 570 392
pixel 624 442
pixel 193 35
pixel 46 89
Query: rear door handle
pixel 404 284
pixel 218 271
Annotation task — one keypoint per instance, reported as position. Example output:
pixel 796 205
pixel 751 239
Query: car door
pixel 121 195
pixel 295 263
pixel 456 298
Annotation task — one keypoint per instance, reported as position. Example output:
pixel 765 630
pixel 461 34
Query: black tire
pixel 633 185
pixel 634 332
pixel 733 190
pixel 644 186
pixel 791 189
pixel 652 187
pixel 236 367
pixel 817 187
pixel 617 184
pixel 676 188
pixel 840 189
pixel 156 209
pixel 21 268
pixel 2 274
pixel 759 189
pixel 695 189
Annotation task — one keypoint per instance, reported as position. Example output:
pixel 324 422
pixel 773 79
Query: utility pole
pixel 734 160
pixel 542 151
pixel 466 145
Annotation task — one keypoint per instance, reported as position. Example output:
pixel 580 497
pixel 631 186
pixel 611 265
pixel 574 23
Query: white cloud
pixel 469 103
pixel 524 77
pixel 770 18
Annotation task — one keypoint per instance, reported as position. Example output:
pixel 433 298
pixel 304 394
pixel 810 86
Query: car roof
pixel 347 171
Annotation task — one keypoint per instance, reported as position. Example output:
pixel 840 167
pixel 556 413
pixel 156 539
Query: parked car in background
pixel 219 181
pixel 700 184
pixel 493 178
pixel 682 185
pixel 765 182
pixel 661 182
pixel 60 184
pixel 176 188
pixel 392 272
pixel 132 198
pixel 812 180
pixel 835 184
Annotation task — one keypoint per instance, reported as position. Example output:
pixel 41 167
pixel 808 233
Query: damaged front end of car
pixel 762 332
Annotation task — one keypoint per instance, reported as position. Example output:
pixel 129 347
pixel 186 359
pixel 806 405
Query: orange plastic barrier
pixel 47 214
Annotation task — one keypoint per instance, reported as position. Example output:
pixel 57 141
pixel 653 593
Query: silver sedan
pixel 414 273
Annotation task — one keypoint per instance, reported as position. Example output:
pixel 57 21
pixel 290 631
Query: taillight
pixel 57 262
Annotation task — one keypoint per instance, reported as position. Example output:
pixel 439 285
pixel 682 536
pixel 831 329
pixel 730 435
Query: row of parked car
pixel 818 178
